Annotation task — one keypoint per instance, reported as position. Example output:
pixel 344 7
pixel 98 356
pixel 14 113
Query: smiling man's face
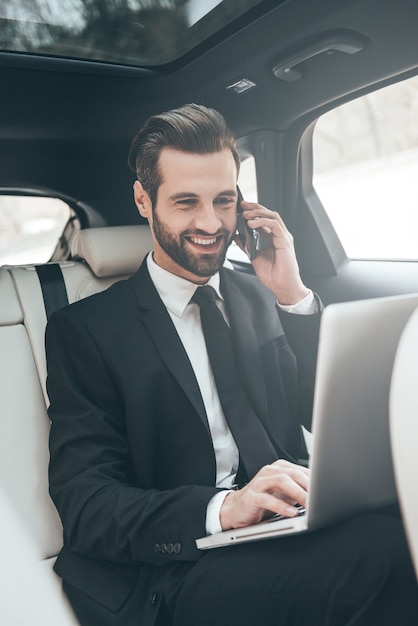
pixel 194 219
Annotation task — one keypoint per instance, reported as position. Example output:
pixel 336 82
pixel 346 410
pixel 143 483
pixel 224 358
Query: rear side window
pixel 366 172
pixel 30 228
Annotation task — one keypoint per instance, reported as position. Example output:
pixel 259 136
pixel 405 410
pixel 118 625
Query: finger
pixel 284 465
pixel 292 488
pixel 252 210
pixel 286 487
pixel 271 225
pixel 280 467
pixel 279 506
pixel 252 206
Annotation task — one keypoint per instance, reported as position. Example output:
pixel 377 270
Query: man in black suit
pixel 145 456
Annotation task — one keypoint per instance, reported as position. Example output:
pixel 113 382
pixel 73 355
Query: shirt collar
pixel 175 291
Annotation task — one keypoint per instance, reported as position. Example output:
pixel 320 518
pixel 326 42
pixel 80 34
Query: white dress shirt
pixel 176 293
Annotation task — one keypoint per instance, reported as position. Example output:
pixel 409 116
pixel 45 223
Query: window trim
pixel 86 216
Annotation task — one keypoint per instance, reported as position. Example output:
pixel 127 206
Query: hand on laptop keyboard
pixel 273 490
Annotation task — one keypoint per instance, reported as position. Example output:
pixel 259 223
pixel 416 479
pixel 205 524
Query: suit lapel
pixel 163 334
pixel 246 345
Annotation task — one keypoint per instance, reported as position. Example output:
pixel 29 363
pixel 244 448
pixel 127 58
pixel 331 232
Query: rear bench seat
pixel 101 257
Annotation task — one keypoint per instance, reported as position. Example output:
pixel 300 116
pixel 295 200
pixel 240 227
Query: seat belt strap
pixel 53 287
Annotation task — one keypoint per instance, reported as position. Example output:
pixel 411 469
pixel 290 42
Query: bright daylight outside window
pixel 131 32
pixel 366 172
pixel 30 228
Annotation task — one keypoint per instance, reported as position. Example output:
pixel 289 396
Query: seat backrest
pixel 24 426
pixel 100 259
pixel 101 256
pixel 30 593
pixel 403 413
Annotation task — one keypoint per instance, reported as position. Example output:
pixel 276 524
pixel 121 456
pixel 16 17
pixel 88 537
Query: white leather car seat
pixel 30 593
pixel 403 414
pixel 101 257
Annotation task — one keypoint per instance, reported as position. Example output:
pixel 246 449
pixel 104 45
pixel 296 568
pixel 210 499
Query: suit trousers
pixel 354 573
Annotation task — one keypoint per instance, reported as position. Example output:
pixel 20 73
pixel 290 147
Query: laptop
pixel 350 461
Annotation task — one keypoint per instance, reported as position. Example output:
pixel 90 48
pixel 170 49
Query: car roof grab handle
pixel 344 41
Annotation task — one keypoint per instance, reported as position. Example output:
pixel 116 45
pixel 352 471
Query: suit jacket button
pixel 170 548
pixel 163 548
pixel 153 599
pixel 177 548
pixel 157 548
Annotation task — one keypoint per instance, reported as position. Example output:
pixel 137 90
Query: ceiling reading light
pixel 242 85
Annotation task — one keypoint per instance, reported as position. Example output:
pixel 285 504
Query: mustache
pixel 202 233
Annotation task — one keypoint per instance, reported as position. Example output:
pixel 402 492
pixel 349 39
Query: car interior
pixel 322 96
pixel 403 402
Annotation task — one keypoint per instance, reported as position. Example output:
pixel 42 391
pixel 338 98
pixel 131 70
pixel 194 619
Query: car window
pixel 30 228
pixel 365 172
pixel 79 29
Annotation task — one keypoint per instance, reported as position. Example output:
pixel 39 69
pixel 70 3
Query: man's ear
pixel 142 201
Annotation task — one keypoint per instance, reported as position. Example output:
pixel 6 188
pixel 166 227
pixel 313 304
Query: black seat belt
pixel 53 287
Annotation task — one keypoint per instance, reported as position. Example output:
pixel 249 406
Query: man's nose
pixel 207 218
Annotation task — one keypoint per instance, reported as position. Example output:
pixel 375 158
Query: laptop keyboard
pixel 301 511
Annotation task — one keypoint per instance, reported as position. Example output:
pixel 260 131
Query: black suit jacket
pixel 132 463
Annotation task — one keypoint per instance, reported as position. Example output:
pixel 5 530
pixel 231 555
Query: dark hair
pixel 190 128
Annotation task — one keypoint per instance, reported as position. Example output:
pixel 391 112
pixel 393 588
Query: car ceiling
pixel 68 125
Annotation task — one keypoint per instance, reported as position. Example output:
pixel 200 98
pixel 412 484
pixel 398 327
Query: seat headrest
pixel 112 250
pixel 10 309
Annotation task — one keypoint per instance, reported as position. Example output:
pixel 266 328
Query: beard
pixel 203 264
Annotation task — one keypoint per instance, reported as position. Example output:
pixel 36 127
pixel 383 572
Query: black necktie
pixel 254 446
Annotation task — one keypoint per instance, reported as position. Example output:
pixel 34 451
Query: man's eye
pixel 226 201
pixel 186 202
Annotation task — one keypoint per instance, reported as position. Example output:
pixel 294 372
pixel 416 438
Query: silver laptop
pixel 351 465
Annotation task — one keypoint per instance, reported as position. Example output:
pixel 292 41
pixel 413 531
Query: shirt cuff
pixel 306 306
pixel 213 523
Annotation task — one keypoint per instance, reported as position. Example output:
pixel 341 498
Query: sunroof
pixel 128 32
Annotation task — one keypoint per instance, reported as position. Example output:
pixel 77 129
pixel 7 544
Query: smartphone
pixel 251 240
